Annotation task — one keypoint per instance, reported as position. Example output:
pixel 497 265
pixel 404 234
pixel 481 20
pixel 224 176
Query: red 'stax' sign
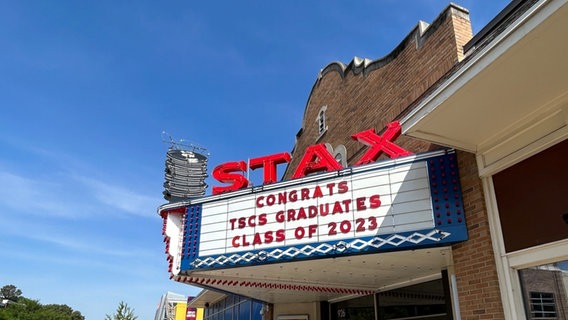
pixel 316 159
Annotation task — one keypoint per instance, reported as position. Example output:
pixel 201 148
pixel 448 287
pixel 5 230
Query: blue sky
pixel 88 87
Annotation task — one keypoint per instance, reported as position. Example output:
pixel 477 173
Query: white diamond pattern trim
pixel 324 248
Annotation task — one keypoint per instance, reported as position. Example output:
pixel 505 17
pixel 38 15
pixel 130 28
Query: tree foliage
pixel 10 292
pixel 28 309
pixel 123 312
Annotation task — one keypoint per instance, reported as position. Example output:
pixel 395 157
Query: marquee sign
pixel 405 203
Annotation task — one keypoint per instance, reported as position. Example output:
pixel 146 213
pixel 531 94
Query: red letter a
pixel 316 159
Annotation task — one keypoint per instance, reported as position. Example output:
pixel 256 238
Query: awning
pixel 509 93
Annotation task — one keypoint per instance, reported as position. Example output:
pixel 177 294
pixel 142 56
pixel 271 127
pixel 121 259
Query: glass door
pixel 427 300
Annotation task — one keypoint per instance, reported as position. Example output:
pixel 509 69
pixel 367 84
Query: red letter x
pixel 379 144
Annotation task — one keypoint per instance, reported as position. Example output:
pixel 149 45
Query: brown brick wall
pixel 359 98
pixel 463 32
pixel 474 262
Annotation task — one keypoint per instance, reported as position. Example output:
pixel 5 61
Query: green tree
pixel 123 312
pixel 10 292
pixel 24 309
pixel 60 312
pixel 76 315
pixel 28 309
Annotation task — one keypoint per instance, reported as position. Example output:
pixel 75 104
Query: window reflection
pixel 545 292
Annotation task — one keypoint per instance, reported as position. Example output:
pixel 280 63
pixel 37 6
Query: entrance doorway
pixel 427 300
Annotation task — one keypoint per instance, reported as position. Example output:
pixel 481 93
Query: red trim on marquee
pixel 164 214
pixel 266 285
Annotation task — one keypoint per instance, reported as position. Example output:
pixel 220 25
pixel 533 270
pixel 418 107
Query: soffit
pixel 205 298
pixel 329 279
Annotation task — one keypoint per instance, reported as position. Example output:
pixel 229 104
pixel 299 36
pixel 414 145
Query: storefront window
pixel 244 310
pixel 234 308
pixel 545 291
pixel 228 314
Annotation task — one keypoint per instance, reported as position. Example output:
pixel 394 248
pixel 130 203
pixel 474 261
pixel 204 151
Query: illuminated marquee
pixel 404 203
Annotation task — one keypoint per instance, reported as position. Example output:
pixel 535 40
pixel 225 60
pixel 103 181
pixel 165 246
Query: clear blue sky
pixel 86 89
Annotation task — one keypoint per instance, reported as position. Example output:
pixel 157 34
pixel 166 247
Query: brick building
pixel 472 210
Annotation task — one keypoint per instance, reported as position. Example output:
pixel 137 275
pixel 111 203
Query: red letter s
pixel 224 173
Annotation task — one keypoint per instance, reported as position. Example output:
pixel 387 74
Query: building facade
pixel 430 183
